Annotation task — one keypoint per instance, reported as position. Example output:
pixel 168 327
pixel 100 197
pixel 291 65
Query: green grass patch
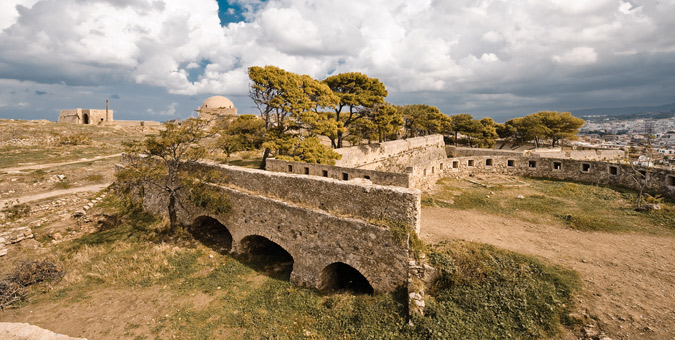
pixel 579 206
pixel 486 293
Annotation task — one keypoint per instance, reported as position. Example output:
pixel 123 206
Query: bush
pixel 17 211
pixel 76 139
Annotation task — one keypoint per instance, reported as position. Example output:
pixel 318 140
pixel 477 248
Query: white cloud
pixel 436 46
pixel 577 56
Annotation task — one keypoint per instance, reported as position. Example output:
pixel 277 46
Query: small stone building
pixel 86 116
pixel 216 108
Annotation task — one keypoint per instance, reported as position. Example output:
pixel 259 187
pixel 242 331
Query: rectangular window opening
pixel 366 177
pixel 643 174
pixel 290 168
pixel 670 181
pixel 440 167
pixel 613 170
pixel 488 162
pixel 532 164
pixel 345 176
pixel 306 171
pixel 557 166
pixel 510 163
pixel 325 173
pixel 455 164
pixel 585 167
pixel 433 170
pixel 469 162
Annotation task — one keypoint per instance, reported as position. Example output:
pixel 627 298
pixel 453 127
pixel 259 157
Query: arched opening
pixel 267 256
pixel 211 233
pixel 339 276
pixel 85 118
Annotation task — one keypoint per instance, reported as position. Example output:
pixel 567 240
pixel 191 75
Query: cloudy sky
pixel 159 59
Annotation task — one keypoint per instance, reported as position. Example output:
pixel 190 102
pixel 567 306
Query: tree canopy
pixel 357 94
pixel 542 125
pixel 422 120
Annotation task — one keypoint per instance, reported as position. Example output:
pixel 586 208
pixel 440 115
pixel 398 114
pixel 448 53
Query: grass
pixel 481 292
pixel 486 293
pixel 95 178
pixel 48 142
pixel 579 206
pixel 62 185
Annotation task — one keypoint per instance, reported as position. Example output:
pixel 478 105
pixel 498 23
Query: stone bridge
pixel 333 231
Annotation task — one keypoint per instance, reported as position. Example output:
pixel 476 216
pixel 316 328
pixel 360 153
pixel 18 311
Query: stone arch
pixel 341 276
pixel 212 233
pixel 267 256
pixel 85 118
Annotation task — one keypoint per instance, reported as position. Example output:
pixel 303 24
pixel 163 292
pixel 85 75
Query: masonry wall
pixel 339 173
pixel 599 155
pixel 393 156
pixel 76 116
pixel 661 181
pixel 346 198
pixel 129 123
pixel 319 221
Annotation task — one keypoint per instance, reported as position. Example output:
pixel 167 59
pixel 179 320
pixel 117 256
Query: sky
pixel 160 59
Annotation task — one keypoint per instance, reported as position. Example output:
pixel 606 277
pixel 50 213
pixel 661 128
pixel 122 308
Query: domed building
pixel 216 108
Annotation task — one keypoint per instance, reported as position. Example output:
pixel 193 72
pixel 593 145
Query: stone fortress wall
pixel 318 221
pixel 341 173
pixel 419 160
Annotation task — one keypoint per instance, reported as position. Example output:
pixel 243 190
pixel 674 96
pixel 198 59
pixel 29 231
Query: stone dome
pixel 217 102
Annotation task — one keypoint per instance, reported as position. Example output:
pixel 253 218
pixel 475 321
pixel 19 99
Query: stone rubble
pixel 14 235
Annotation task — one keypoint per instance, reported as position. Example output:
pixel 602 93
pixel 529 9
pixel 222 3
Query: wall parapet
pixel 340 173
pixel 661 181
pixel 392 155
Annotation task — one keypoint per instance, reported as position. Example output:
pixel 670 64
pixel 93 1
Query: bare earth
pixel 54 193
pixel 53 165
pixel 628 278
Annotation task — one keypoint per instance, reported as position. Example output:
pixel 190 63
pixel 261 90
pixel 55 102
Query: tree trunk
pixel 454 140
pixel 339 139
pixel 173 219
pixel 263 164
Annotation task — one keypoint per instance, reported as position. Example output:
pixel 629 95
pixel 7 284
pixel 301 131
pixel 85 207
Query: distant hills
pixel 662 111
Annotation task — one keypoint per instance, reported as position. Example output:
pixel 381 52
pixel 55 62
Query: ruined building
pixel 87 116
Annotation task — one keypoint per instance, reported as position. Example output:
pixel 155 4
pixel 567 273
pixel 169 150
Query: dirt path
pixel 629 279
pixel 54 193
pixel 51 165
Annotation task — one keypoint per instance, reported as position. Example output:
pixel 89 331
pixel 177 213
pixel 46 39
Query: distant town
pixel 655 129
